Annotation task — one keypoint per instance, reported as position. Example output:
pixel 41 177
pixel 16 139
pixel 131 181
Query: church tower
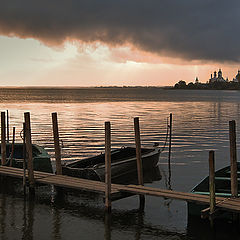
pixel 238 76
pixel 219 74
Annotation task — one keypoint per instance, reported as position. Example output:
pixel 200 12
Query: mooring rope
pixel 21 134
pixel 167 135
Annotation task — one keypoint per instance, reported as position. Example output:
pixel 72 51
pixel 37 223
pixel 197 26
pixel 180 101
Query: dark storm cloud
pixel 190 29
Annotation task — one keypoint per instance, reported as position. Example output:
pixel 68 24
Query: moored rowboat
pixel 222 188
pixel 41 159
pixel 123 161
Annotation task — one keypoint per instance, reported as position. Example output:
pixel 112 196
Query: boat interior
pixel 222 183
pixel 116 155
pixel 18 150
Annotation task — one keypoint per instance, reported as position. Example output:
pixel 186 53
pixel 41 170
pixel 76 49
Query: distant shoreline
pixel 217 85
pixel 186 87
pixel 77 87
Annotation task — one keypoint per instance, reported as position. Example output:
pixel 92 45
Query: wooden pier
pixel 229 204
pixel 116 191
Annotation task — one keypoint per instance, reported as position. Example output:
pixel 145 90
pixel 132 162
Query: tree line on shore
pixel 230 85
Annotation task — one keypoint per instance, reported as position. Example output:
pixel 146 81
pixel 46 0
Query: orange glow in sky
pixel 27 62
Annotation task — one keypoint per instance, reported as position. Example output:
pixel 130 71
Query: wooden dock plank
pixel 225 203
pixel 17 172
pixel 230 204
pixel 58 180
pixel 66 181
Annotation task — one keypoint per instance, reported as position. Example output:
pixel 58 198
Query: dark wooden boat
pixel 222 188
pixel 123 161
pixel 41 159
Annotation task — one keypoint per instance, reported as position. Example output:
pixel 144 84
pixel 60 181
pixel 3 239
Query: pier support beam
pixel 212 185
pixel 139 159
pixel 170 138
pixel 56 144
pixel 212 182
pixel 12 151
pixel 233 158
pixel 29 153
pixel 108 203
pixel 24 159
pixel 3 138
pixel 7 127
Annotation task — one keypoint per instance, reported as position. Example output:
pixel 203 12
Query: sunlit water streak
pixel 200 124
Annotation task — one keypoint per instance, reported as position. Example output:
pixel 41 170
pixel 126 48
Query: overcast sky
pixel 117 42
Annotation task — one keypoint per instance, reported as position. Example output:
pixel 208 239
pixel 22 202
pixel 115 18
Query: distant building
pixel 237 78
pixel 217 78
pixel 196 80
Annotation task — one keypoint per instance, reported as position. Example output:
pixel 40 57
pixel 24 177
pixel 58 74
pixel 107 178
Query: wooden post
pixel 56 144
pixel 24 159
pixel 170 138
pixel 212 182
pixel 3 138
pixel 139 159
pixel 7 127
pixel 108 204
pixel 169 152
pixel 29 152
pixel 12 152
pixel 233 158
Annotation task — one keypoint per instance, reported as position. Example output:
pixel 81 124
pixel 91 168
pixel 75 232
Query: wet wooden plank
pixel 229 204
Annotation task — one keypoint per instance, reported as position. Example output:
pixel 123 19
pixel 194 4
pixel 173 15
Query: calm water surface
pixel 200 124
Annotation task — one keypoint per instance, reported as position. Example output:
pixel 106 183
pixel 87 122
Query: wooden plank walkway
pixel 230 204
pixel 59 180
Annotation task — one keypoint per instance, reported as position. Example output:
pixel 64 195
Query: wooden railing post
pixel 12 152
pixel 3 138
pixel 139 158
pixel 56 144
pixel 29 152
pixel 24 158
pixel 7 127
pixel 233 158
pixel 212 182
pixel 170 138
pixel 108 204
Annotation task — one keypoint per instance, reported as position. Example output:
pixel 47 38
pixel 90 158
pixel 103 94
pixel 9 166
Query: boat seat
pixel 224 178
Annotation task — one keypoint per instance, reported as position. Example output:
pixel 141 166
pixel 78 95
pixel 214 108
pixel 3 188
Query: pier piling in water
pixel 108 204
pixel 24 159
pixel 56 144
pixel 7 127
pixel 139 159
pixel 212 185
pixel 233 158
pixel 29 152
pixel 12 151
pixel 3 138
pixel 170 138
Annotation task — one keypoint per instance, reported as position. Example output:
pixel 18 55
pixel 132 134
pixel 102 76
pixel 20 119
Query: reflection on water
pixel 149 176
pixel 201 230
pixel 56 223
pixel 200 124
pixel 107 225
pixel 71 217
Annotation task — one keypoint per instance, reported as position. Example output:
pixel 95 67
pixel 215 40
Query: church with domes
pixel 217 77
pixel 237 78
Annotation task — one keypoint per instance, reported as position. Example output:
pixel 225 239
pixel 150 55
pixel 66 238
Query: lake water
pixel 200 124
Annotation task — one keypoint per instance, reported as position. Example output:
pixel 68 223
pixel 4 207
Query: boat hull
pixel 41 159
pixel 121 164
pixel 222 189
pixel 118 170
